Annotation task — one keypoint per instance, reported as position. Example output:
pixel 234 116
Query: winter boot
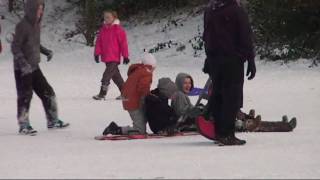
pixel 239 141
pixel 230 141
pixel 102 94
pixel 293 123
pixel 28 130
pixel 113 129
pixel 169 131
pixel 58 125
pixel 252 114
pixel 251 125
pixel 285 119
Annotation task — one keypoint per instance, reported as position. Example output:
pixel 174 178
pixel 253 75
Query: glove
pixel 206 68
pixel 97 58
pixel 126 61
pixel 49 55
pixel 251 70
pixel 194 112
pixel 26 70
pixel 46 52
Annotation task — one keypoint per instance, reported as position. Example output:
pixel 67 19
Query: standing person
pixel 228 44
pixel 26 51
pixel 111 44
pixel 134 91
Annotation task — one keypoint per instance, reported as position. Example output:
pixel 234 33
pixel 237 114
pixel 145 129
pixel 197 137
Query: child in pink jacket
pixel 111 45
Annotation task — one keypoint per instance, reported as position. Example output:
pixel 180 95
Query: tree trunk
pixel 10 5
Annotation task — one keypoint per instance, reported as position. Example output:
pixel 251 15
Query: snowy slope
pixel 292 89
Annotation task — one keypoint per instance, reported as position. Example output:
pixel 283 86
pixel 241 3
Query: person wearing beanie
pixel 134 91
pixel 111 45
pixel 161 117
pixel 26 49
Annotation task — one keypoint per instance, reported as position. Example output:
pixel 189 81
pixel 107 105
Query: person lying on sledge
pixel 187 112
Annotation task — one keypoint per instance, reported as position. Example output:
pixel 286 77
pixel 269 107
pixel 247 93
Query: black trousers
pixel 25 86
pixel 112 72
pixel 227 73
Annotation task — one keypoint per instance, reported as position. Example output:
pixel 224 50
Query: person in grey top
pixel 29 78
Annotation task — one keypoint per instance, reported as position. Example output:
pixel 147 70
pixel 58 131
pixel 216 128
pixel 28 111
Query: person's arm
pixel 123 41
pixel 181 105
pixel 98 46
pixel 246 47
pixel 16 47
pixel 144 85
pixel 46 52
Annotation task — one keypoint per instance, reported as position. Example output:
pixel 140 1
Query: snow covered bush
pixel 290 25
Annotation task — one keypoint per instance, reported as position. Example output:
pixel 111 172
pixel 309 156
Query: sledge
pixel 206 128
pixel 141 137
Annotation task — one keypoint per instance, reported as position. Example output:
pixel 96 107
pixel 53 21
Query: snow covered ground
pixel 292 89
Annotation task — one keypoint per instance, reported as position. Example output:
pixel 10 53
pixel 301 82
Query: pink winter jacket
pixel 112 43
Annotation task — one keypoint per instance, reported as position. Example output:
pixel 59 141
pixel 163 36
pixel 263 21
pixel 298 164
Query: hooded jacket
pixel 112 43
pixel 137 86
pixel 181 102
pixel 227 30
pixel 26 43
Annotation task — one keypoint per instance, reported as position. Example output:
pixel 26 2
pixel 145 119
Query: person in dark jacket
pixel 161 117
pixel 228 44
pixel 26 51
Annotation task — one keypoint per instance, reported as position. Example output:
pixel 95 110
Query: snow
pixel 292 89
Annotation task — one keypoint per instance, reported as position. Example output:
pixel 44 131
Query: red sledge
pixel 141 137
pixel 206 128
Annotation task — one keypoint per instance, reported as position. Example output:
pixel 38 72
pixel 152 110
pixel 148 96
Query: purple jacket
pixel 227 30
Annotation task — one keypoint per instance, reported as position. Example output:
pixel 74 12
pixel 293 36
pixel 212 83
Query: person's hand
pixel 126 61
pixel 251 70
pixel 49 55
pixel 205 68
pixel 26 70
pixel 97 58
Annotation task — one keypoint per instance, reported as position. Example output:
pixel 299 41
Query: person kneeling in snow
pixel 26 51
pixel 134 91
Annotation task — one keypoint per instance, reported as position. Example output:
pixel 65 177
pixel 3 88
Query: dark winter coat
pixel 26 43
pixel 227 30
pixel 159 114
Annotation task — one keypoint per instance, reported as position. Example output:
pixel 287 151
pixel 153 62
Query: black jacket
pixel 227 30
pixel 158 112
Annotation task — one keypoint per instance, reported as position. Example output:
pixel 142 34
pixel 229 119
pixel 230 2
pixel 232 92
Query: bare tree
pixel 11 5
